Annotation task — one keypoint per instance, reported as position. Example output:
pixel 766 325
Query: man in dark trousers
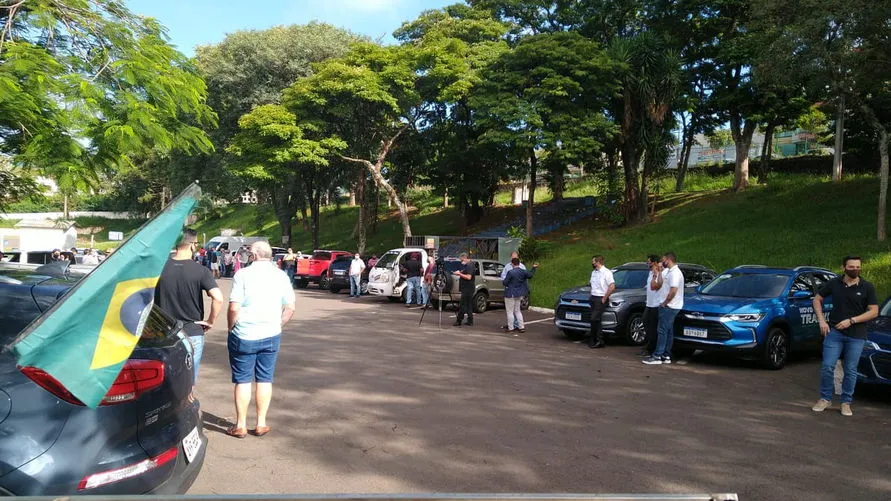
pixel 465 285
pixel 179 293
pixel 854 304
pixel 602 287
pixel 654 299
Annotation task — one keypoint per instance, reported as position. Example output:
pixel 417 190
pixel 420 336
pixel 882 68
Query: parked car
pixel 316 270
pixel 222 243
pixel 339 275
pixel 34 259
pixel 754 312
pixel 385 278
pixel 875 362
pixel 488 286
pixel 145 438
pixel 623 318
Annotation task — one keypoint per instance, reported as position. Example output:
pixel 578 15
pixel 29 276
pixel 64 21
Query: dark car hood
pixel 584 292
pixel 722 305
pixel 880 332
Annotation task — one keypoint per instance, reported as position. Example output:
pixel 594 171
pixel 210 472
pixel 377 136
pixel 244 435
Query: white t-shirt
pixel 261 289
pixel 673 277
pixel 356 266
pixel 654 297
pixel 601 280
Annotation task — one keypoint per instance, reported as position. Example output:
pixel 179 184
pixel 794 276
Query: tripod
pixel 437 286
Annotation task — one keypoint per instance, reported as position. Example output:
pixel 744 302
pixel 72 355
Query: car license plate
pixel 339 272
pixel 192 444
pixel 694 332
pixel 574 316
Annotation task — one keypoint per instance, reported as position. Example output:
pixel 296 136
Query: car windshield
pixel 630 278
pixel 886 309
pixel 750 285
pixel 388 260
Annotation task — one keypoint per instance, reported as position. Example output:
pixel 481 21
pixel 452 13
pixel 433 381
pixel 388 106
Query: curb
pixel 538 309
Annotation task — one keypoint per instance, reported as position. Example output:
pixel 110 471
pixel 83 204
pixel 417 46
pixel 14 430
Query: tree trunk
pixel 686 148
pixel 445 199
pixel 530 205
pixel 766 153
pixel 612 172
pixel 360 197
pixel 742 137
pixel 305 218
pixel 558 183
pixel 883 183
pixel 65 213
pixel 631 200
pixel 316 204
pixel 839 139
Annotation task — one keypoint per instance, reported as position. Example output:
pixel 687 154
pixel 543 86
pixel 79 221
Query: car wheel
pixel 635 333
pixel 524 304
pixel 324 281
pixel 480 302
pixel 301 284
pixel 363 287
pixel 574 334
pixel 334 290
pixel 776 349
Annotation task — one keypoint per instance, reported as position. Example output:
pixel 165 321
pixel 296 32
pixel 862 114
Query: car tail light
pixel 136 378
pixel 134 470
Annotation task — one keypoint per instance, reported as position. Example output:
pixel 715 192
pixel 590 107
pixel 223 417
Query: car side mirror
pixel 699 288
pixel 801 295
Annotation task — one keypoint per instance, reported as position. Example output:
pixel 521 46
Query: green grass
pixel 793 220
pixel 99 228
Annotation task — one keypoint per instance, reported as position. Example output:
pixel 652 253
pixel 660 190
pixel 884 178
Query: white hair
pixel 262 250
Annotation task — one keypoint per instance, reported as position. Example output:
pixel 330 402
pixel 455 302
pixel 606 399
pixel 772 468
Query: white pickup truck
pixel 385 279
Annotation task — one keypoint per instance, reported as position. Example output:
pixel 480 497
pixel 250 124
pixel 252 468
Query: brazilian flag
pixel 85 338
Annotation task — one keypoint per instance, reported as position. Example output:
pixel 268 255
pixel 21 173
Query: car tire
pixel 776 349
pixel 334 290
pixel 301 284
pixel 363 288
pixel 635 333
pixel 524 304
pixel 324 281
pixel 480 302
pixel 449 282
pixel 574 334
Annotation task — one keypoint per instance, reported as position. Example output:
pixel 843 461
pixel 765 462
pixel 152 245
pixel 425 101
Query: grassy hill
pixel 793 220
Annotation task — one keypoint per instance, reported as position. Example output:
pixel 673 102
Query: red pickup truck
pixel 315 269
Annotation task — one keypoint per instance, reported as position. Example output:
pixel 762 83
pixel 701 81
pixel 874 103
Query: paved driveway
pixel 367 401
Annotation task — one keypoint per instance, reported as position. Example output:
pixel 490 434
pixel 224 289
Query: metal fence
pixel 404 497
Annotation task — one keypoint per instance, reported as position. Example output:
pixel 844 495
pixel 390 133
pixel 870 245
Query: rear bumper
pixel 307 277
pixel 184 474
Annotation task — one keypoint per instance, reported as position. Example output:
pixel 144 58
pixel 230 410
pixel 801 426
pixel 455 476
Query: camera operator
pixel 465 286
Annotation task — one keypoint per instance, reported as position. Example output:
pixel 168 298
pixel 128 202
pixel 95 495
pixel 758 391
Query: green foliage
pixel 719 138
pixel 516 232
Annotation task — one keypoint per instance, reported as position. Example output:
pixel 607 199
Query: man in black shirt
pixel 854 303
pixel 466 287
pixel 179 290
pixel 413 272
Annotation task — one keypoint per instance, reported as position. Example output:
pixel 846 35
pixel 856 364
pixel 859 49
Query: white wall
pixel 59 215
pixel 33 238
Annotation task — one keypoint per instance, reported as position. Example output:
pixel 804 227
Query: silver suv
pixel 488 286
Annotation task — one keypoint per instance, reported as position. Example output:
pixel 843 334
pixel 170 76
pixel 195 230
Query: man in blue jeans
pixel 413 272
pixel 854 303
pixel 669 278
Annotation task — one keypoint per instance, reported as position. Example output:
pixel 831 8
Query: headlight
pixel 615 303
pixel 872 345
pixel 743 317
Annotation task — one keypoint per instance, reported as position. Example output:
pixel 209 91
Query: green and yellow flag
pixel 85 338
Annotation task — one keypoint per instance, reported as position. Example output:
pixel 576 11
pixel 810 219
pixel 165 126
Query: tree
pixel 272 151
pixel 86 87
pixel 16 185
pixel 546 95
pixel 368 99
pixel 719 138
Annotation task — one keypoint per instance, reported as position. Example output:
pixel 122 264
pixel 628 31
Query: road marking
pixel 538 321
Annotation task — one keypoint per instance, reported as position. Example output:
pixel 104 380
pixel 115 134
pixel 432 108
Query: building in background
pixel 33 235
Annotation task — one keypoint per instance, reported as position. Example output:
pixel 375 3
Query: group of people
pixel 854 304
pixel 261 302
pixel 221 262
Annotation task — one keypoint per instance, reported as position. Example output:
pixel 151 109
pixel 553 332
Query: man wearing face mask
pixel 602 287
pixel 854 303
pixel 671 286
pixel 357 266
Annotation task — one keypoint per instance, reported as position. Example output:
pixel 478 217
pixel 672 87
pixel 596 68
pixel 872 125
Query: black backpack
pixel 213 258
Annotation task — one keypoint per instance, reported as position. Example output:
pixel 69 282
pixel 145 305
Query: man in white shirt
pixel 672 280
pixel 261 303
pixel 602 287
pixel 357 266
pixel 655 297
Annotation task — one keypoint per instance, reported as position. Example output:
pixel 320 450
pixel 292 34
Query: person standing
pixel 654 299
pixel 507 268
pixel 179 294
pixel 227 263
pixel 466 288
pixel 413 271
pixel 427 283
pixel 602 287
pixel 357 267
pixel 215 263
pixel 854 303
pixel 672 280
pixel 372 261
pixel 290 262
pixel 515 289
pixel 261 303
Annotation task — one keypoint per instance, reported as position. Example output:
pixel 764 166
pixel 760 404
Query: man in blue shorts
pixel 261 303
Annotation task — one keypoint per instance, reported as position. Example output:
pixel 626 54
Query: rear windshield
pixel 748 285
pixel 341 264
pixel 323 256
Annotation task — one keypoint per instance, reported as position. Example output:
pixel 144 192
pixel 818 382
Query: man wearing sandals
pixel 261 303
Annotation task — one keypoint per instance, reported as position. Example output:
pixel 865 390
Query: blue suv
pixel 875 362
pixel 754 311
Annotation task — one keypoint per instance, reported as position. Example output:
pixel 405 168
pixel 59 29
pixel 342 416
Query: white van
pixel 232 243
pixel 385 279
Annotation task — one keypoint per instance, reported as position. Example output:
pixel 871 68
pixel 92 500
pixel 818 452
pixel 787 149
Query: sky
pixel 201 22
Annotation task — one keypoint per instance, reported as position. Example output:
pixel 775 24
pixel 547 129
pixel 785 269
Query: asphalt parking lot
pixel 367 401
